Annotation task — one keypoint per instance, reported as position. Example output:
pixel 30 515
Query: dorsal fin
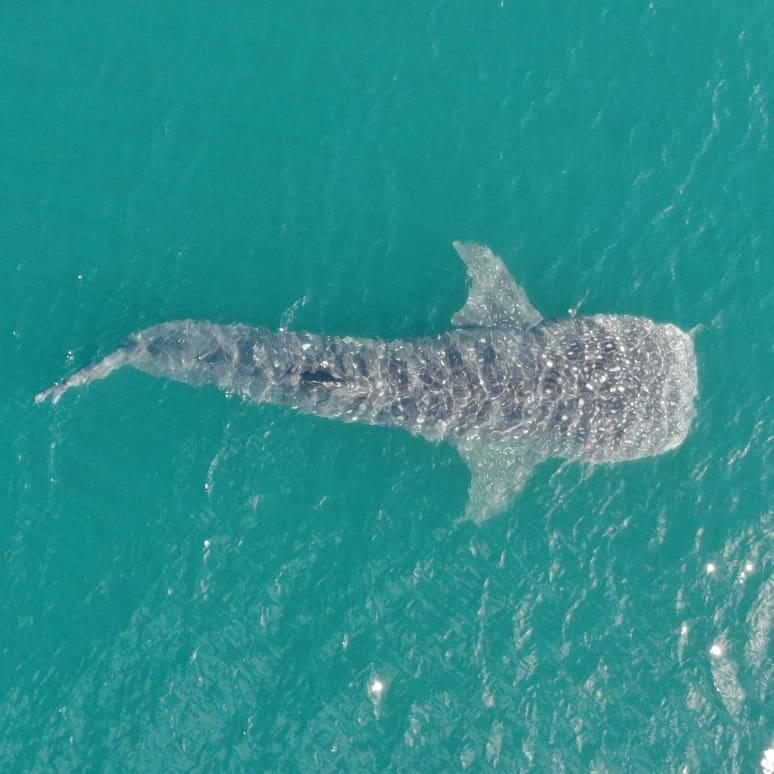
pixel 494 298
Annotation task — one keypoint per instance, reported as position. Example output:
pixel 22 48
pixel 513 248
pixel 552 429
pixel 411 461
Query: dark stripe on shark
pixel 321 376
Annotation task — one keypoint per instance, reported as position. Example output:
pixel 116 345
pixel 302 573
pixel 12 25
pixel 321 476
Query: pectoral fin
pixel 494 298
pixel 497 474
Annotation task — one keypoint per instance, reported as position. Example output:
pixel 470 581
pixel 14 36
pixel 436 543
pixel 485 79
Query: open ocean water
pixel 192 583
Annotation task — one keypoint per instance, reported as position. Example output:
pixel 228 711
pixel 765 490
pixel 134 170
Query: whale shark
pixel 508 388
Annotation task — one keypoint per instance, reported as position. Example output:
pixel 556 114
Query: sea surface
pixel 192 583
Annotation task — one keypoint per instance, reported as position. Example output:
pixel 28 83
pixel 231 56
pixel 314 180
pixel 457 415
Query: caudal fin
pixel 89 374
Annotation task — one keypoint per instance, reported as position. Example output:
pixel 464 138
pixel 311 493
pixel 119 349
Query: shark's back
pixel 610 387
pixel 506 387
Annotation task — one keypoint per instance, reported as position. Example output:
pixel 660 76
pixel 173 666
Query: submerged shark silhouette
pixel 506 387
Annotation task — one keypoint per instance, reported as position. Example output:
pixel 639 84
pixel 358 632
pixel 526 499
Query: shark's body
pixel 507 388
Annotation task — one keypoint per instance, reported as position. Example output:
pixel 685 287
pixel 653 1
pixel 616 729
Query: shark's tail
pixel 100 370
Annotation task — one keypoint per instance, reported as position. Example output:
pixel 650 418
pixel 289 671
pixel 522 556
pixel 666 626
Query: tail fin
pixel 91 373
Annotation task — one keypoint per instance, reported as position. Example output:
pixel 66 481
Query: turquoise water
pixel 194 583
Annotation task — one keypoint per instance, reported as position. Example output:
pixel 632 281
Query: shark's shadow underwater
pixel 506 387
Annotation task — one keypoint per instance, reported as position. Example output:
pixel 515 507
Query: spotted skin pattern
pixel 507 388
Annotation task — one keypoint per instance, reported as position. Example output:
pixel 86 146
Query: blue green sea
pixel 194 583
